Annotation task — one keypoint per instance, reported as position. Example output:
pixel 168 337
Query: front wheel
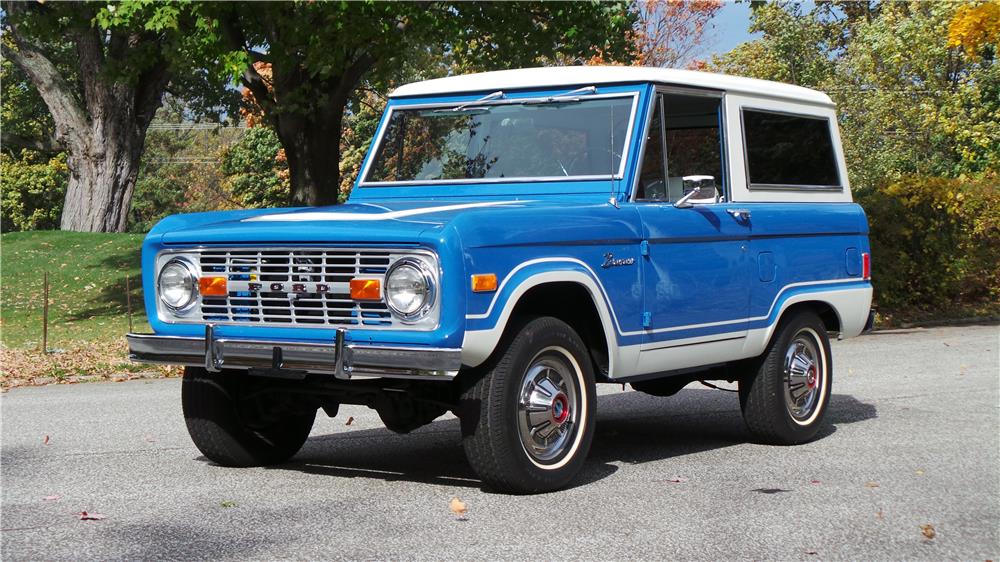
pixel 235 421
pixel 784 400
pixel 532 413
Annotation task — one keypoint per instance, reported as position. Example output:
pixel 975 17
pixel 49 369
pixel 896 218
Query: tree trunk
pixel 310 135
pixel 101 183
pixel 312 147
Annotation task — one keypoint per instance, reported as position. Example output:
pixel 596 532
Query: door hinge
pixel 644 247
pixel 647 319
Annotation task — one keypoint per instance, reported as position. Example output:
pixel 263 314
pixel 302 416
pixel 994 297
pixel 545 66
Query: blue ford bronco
pixel 513 239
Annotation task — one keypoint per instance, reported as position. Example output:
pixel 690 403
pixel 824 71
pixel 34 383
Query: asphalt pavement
pixel 908 467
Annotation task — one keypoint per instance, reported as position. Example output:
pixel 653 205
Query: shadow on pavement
pixel 632 428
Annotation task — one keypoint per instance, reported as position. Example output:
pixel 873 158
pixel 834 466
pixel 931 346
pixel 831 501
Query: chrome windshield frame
pixel 618 175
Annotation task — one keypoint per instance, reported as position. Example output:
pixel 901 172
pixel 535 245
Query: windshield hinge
pixel 647 319
pixel 644 247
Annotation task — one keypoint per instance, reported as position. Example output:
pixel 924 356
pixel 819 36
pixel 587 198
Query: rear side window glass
pixel 789 150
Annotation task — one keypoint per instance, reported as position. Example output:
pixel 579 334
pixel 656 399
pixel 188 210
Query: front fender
pixel 484 330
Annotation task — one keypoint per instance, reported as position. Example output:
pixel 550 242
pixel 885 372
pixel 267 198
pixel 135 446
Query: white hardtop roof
pixel 566 76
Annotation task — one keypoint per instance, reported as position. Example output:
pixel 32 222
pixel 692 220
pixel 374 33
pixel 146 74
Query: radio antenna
pixel 613 200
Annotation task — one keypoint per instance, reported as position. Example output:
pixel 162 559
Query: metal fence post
pixel 128 301
pixel 45 313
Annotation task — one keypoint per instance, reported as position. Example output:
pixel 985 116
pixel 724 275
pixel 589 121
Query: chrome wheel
pixel 548 409
pixel 805 376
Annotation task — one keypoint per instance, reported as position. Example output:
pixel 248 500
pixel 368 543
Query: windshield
pixel 548 138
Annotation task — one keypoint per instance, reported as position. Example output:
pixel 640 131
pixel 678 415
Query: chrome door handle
pixel 739 214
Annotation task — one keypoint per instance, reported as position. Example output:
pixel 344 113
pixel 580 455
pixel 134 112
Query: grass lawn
pixel 86 286
pixel 87 304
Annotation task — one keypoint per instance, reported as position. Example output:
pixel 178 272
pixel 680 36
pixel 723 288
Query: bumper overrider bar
pixel 340 359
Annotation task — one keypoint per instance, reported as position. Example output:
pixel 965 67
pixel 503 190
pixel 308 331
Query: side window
pixel 683 150
pixel 652 183
pixel 789 150
pixel 694 147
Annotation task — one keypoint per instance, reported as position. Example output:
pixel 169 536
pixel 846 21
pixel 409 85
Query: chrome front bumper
pixel 340 359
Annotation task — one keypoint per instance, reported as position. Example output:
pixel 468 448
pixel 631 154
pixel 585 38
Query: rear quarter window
pixel 789 151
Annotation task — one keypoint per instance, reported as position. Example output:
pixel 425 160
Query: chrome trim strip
pixel 377 142
pixel 339 358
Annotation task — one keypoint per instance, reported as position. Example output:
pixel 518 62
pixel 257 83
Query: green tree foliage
pixel 795 47
pixel 26 120
pixel 912 105
pixel 34 172
pixel 256 172
pixel 360 124
pixel 180 167
pixel 33 188
pixel 320 52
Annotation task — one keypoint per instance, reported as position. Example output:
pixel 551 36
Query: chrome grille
pixel 260 285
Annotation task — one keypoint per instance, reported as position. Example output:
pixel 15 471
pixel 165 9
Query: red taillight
pixel 866 266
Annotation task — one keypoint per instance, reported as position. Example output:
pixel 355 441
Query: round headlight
pixel 409 288
pixel 177 284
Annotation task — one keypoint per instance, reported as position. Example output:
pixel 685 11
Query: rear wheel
pixel 784 399
pixel 235 421
pixel 533 412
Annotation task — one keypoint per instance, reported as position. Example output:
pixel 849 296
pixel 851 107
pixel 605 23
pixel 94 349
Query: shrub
pixel 935 244
pixel 33 189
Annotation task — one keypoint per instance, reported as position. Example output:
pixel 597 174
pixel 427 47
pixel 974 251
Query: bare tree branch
pixel 69 117
pixel 41 145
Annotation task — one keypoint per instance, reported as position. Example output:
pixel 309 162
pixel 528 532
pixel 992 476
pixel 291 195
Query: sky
pixel 730 29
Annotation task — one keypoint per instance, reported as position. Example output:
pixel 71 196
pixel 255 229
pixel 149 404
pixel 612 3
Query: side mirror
pixel 684 202
pixel 700 188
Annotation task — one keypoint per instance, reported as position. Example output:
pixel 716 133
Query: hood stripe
pixel 391 215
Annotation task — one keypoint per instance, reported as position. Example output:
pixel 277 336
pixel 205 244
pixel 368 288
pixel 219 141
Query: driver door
pixel 696 267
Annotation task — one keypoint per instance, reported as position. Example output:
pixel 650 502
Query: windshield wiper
pixel 474 104
pixel 572 96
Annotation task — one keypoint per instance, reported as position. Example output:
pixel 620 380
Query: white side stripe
pixel 391 215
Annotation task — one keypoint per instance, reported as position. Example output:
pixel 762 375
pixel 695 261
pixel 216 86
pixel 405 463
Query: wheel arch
pixel 826 312
pixel 571 296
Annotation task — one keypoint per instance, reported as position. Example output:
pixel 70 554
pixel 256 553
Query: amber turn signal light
pixel 213 286
pixel 366 289
pixel 484 282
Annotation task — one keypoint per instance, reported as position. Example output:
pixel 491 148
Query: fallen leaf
pixel 52 498
pixel 814 481
pixel 458 507
pixel 149 439
pixel 677 479
pixel 920 472
pixel 769 490
pixel 350 420
pixel 928 531
pixel 871 485
pixel 811 552
pixel 84 516
pixel 227 503
pixel 878 514
pixel 45 440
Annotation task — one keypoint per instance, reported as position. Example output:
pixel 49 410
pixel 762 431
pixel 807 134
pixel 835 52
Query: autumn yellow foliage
pixel 975 25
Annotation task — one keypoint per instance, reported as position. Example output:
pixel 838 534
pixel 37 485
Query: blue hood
pixel 391 221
